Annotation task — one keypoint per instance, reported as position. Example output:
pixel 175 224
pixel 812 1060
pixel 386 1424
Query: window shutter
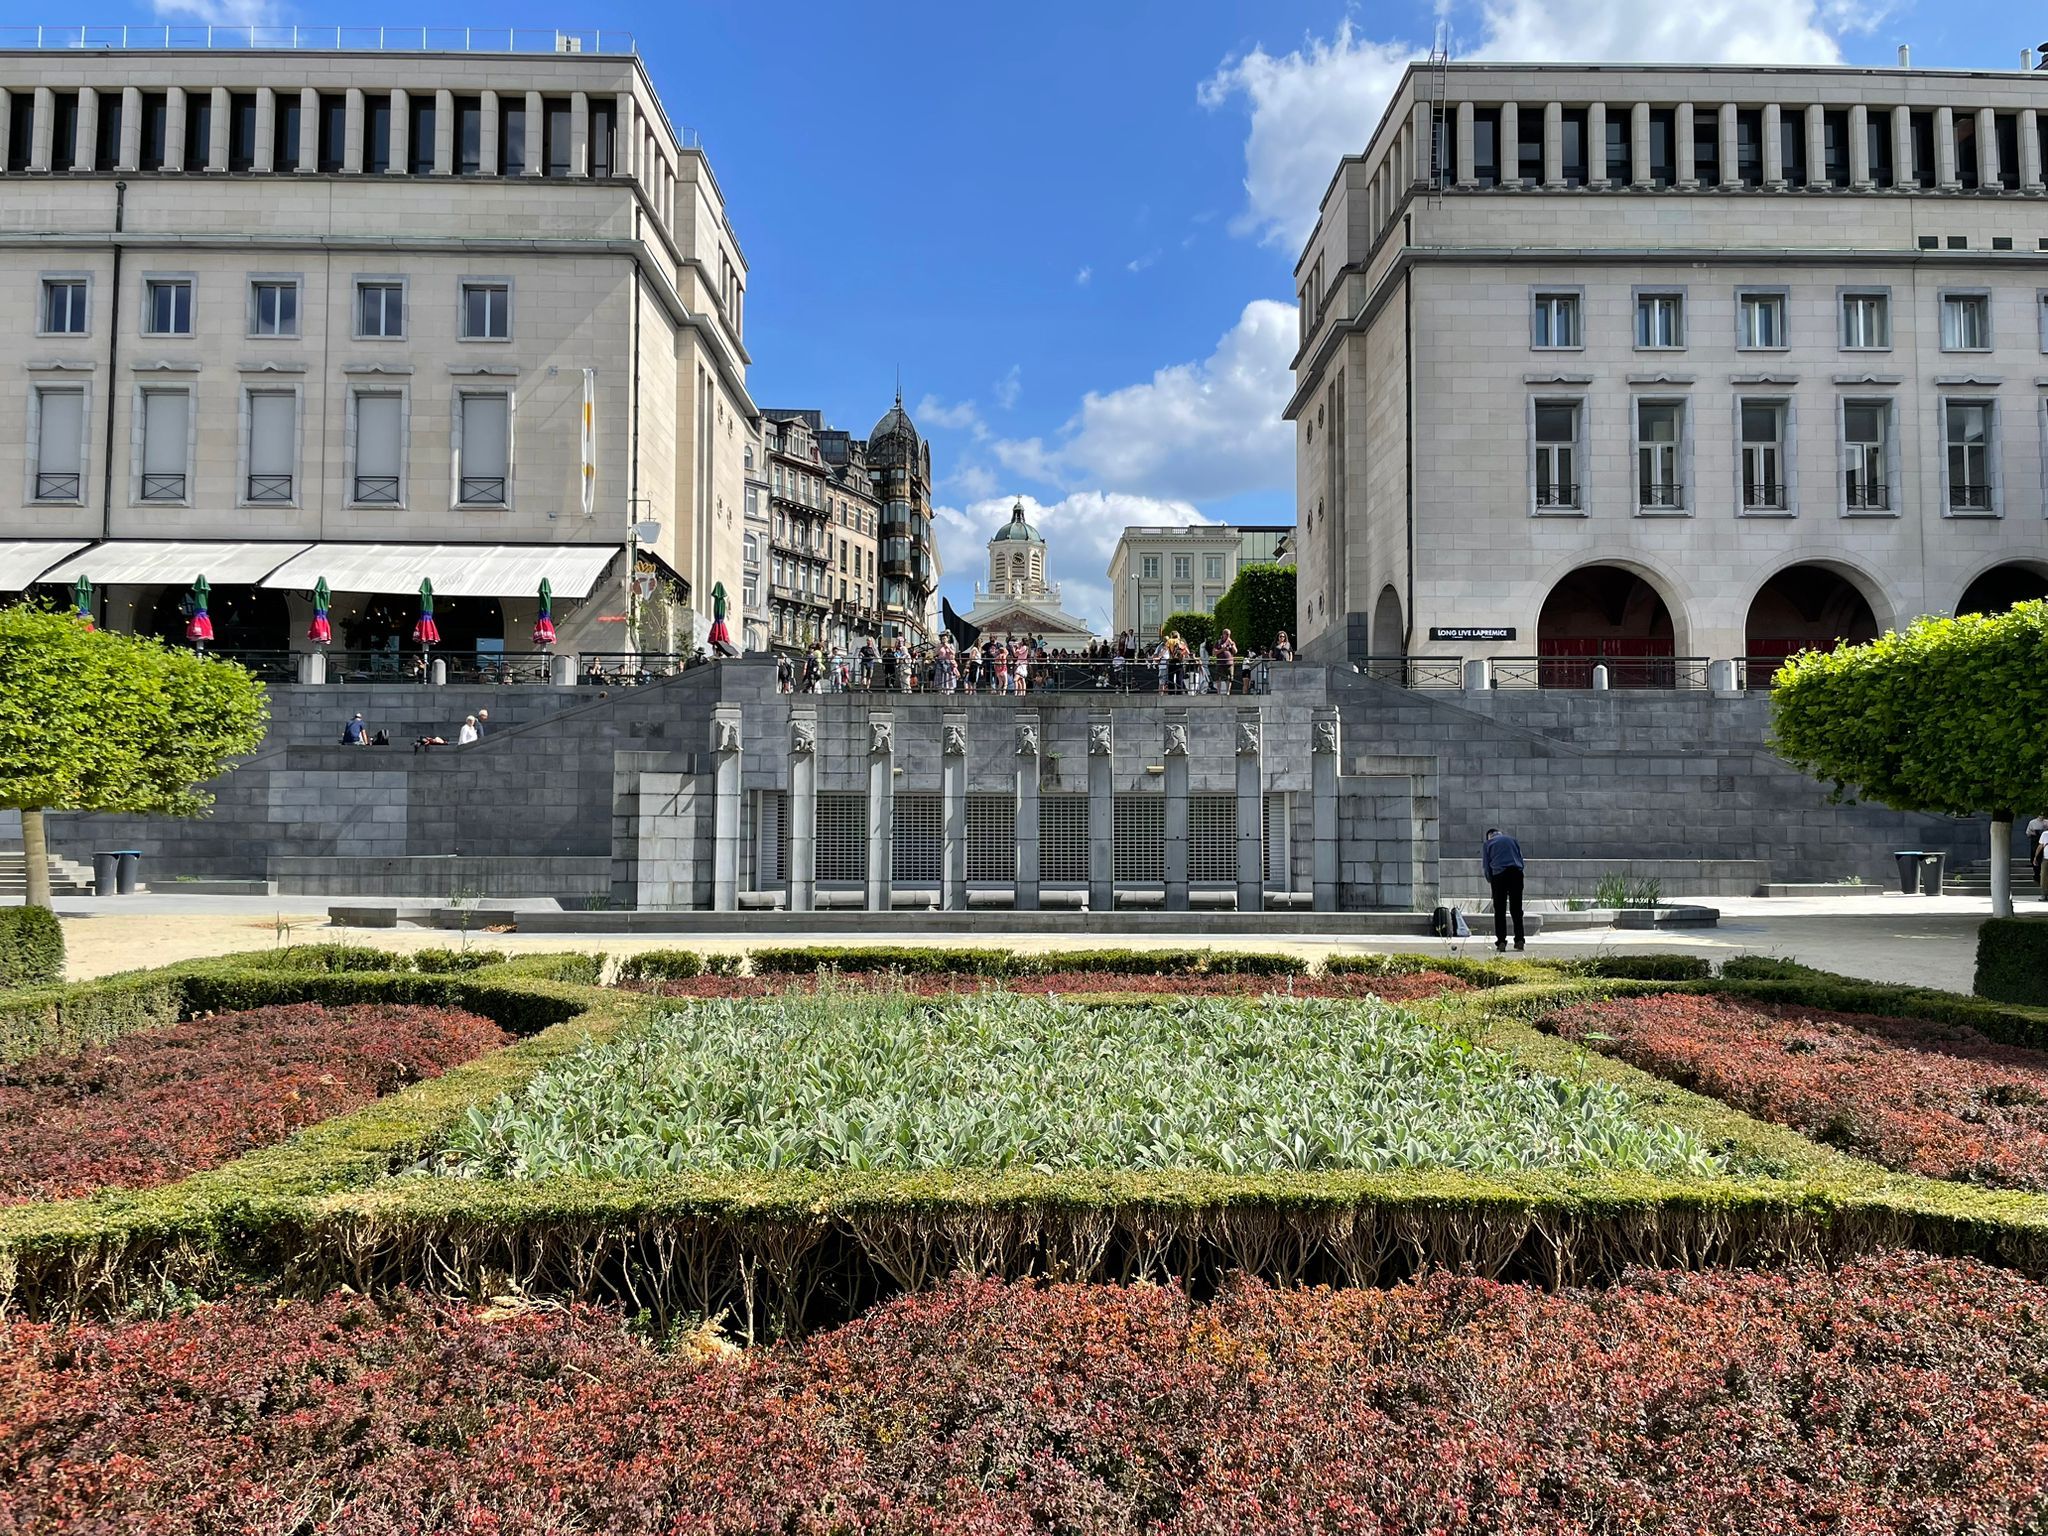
pixel 165 414
pixel 60 432
pixel 377 431
pixel 272 419
pixel 485 436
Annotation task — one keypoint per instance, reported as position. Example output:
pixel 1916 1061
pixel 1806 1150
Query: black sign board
pixel 1471 632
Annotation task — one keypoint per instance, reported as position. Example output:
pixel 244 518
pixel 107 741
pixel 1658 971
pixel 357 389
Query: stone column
pixel 881 811
pixel 1325 763
pixel 1176 810
pixel 85 147
pixel 2030 151
pixel 803 812
pixel 1101 813
pixel 309 131
pixel 1251 815
pixel 579 133
pixel 44 133
pixel 1553 144
pixel 487 138
pixel 1945 150
pixel 1596 144
pixel 1731 172
pixel 131 129
pixel 1510 152
pixel 1422 141
pixel 1027 811
pixel 1902 147
pixel 1774 148
pixel 444 131
pixel 352 134
pixel 1639 142
pixel 1464 144
pixel 953 794
pixel 725 808
pixel 1682 152
pixel 1859 147
pixel 625 137
pixel 6 122
pixel 401 134
pixel 217 129
pixel 174 129
pixel 536 135
pixel 1989 171
pixel 265 160
pixel 1816 146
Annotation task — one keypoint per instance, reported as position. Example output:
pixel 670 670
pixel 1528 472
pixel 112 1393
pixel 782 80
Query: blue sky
pixel 1072 225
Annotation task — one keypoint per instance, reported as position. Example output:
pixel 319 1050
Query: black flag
pixel 964 634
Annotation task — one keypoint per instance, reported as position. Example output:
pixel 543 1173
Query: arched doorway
pixel 1388 636
pixel 2002 586
pixel 1802 608
pixel 1605 615
pixel 246 620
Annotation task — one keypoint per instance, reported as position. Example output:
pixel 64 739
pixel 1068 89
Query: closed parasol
pixel 199 625
pixel 425 633
pixel 544 621
pixel 320 632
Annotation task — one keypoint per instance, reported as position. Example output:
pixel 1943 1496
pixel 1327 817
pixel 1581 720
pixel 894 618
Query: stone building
pixel 901 463
pixel 1154 571
pixel 754 551
pixel 370 316
pixel 824 516
pixel 1018 600
pixel 1645 362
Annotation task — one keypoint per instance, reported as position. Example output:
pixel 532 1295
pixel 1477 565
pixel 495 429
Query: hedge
pixel 2012 961
pixel 961 960
pixel 1259 604
pixel 31 947
pixel 1642 967
pixel 1195 629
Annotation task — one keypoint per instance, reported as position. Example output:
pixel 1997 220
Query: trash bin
pixel 124 876
pixel 1930 873
pixel 104 866
pixel 1909 870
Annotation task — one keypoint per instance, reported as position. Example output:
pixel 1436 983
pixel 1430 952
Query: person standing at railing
pixel 1226 660
pixel 1283 648
pixel 1501 857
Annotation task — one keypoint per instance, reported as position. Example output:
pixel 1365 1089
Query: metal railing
pixel 482 490
pixel 1649 494
pixel 268 666
pixel 57 487
pixel 623 669
pixel 270 489
pixel 1056 674
pixel 1969 498
pixel 1868 496
pixel 1625 671
pixel 1763 496
pixel 377 490
pixel 163 487
pixel 1557 495
pixel 337 39
pixel 1415 671
pixel 1753 674
pixel 411 666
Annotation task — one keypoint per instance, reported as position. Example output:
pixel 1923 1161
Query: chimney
pixel 1905 57
pixel 2026 61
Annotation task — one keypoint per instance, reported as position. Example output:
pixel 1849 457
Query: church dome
pixel 1016 530
pixel 894 423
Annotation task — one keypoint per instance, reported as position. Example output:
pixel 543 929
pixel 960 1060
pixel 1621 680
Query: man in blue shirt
pixel 1502 857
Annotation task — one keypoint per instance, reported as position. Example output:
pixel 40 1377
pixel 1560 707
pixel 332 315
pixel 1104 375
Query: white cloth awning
pixel 23 561
pixel 456 570
pixel 158 562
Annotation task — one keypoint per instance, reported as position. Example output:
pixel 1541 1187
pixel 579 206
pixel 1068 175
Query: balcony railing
pixel 1868 496
pixel 1557 495
pixel 483 490
pixel 1969 498
pixel 1660 497
pixel 270 489
pixel 1763 496
pixel 163 487
pixel 1055 674
pixel 377 490
pixel 1623 671
pixel 338 39
pixel 57 486
pixel 1415 671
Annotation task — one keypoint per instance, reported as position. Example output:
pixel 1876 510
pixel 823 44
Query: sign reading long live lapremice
pixel 1471 632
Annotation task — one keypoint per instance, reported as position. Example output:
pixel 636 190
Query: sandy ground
pixel 1930 942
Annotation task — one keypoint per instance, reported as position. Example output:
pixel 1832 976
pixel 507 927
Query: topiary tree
pixel 1259 604
pixel 1196 629
pixel 1944 719
pixel 91 721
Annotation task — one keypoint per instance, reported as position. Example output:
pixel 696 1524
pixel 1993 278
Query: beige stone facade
pixel 1156 571
pixel 329 269
pixel 1674 361
pixel 824 511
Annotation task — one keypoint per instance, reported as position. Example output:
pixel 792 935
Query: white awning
pixel 456 570
pixel 157 562
pixel 23 561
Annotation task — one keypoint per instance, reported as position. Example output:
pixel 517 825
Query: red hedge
pixel 1920 1097
pixel 153 1107
pixel 1394 989
pixel 1896 1394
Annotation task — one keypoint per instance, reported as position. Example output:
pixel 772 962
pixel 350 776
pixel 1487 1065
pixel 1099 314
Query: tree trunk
pixel 35 857
pixel 2001 864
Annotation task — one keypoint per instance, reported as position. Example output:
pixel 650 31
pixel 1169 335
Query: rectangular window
pixel 1763 456
pixel 419 134
pixel 485 450
pixel 198 130
pixel 486 312
pixel 333 132
pixel 1620 148
pixel 60 444
pixel 284 132
pixel 1486 147
pixel 469 135
pixel 377 134
pixel 1557 452
pixel 21 129
pixel 1965 322
pixel 107 143
pixel 166 439
pixel 154 141
pixel 1660 320
pixel 1966 149
pixel 1706 147
pixel 242 131
pixel 1572 136
pixel 380 449
pixel 1762 320
pixel 1866 321
pixel 511 135
pixel 64 306
pixel 1148 567
pixel 274 307
pixel 1663 146
pixel 167 306
pixel 603 128
pixel 273 446
pixel 1921 131
pixel 1182 601
pixel 557 129
pixel 1834 138
pixel 1660 428
pixel 1212 567
pixel 2007 128
pixel 1528 150
pixel 1879 131
pixel 380 311
pixel 1866 455
pixel 1792 146
pixel 1183 567
pixel 1557 321
pixel 1967 433
pixel 1749 146
pixel 64 131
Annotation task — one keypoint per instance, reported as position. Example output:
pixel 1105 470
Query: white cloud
pixel 1311 107
pixel 220 13
pixel 934 412
pixel 1081 277
pixel 973 481
pixel 1140 263
pixel 1206 429
pixel 1010 386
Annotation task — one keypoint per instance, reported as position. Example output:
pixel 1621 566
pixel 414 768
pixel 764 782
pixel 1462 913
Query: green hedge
pixel 1259 604
pixel 661 965
pixel 448 962
pixel 960 960
pixel 1641 967
pixel 1767 968
pixel 1195 629
pixel 320 959
pixel 2012 961
pixel 31 948
pixel 65 1020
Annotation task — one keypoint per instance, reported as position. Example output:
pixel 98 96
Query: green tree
pixel 91 721
pixel 1259 604
pixel 1944 719
pixel 1196 629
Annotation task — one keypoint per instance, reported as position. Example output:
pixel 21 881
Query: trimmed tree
pixel 1197 629
pixel 1259 604
pixel 91 721
pixel 1943 719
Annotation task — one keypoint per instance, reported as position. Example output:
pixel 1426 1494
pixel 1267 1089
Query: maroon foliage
pixel 1393 989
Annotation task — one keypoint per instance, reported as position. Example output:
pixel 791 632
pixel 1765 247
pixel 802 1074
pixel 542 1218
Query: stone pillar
pixel 1945 150
pixel 1599 677
pixel 1422 141
pixel 625 137
pixel 1251 815
pixel 1989 171
pixel 174 129
pixel 2030 151
pixel 1509 149
pixel 45 131
pixel 6 121
pixel 401 134
pixel 725 808
pixel 881 811
pixel 1639 141
pixel 1682 151
pixel 953 794
pixel 1176 810
pixel 444 132
pixel 266 130
pixel 131 129
pixel 1027 811
pixel 1816 146
pixel 579 133
pixel 1101 813
pixel 85 147
pixel 1325 764
pixel 1731 173
pixel 1902 147
pixel 1774 148
pixel 352 134
pixel 1596 144
pixel 1464 144
pixel 1553 144
pixel 536 136
pixel 1859 147
pixel 803 812
pixel 217 129
pixel 309 131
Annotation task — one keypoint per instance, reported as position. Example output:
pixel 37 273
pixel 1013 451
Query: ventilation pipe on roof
pixel 1905 57
pixel 2026 61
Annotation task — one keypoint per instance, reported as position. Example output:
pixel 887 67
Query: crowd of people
pixel 1022 665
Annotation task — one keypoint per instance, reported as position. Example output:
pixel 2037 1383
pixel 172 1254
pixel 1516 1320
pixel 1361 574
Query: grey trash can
pixel 124 876
pixel 1931 867
pixel 104 866
pixel 1909 870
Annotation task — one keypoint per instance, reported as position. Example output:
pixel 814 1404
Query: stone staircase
pixel 66 878
pixel 1975 879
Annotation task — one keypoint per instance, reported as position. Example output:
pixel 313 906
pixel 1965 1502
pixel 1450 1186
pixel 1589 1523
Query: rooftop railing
pixel 330 39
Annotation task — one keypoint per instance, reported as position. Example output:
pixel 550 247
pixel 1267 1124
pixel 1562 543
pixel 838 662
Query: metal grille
pixel 57 487
pixel 1212 839
pixel 919 854
pixel 487 490
pixel 377 490
pixel 1063 840
pixel 1141 839
pixel 1277 843
pixel 163 487
pixel 843 838
pixel 771 839
pixel 992 839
